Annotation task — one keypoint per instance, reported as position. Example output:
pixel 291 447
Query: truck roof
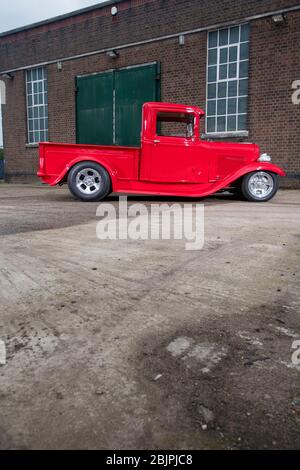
pixel 175 107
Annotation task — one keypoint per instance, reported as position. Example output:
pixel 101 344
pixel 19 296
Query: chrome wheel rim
pixel 88 181
pixel 261 184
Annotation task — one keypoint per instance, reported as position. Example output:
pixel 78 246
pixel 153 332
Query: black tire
pixel 248 194
pixel 94 192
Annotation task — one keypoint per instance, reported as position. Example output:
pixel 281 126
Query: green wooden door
pixel 95 109
pixel 109 105
pixel 133 87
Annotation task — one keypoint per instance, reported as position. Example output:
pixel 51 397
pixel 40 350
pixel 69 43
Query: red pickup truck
pixel 173 160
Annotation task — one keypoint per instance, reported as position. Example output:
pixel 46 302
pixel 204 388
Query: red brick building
pixel 84 76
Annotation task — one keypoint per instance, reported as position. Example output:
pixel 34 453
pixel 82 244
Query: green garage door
pixel 94 109
pixel 109 104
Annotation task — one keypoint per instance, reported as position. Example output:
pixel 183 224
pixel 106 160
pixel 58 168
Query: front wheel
pixel 259 186
pixel 89 181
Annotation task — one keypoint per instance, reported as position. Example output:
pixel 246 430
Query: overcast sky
pixel 16 13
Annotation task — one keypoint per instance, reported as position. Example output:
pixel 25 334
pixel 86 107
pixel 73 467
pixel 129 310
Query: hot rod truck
pixel 173 160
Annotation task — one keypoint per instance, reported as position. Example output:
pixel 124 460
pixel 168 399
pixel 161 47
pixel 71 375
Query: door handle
pixel 156 141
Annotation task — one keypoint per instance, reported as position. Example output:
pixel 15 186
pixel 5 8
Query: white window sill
pixel 224 135
pixel 29 146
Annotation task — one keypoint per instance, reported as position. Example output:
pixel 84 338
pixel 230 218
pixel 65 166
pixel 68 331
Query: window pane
pixel 211 124
pixel 243 87
pixel 232 88
pixel 211 108
pixel 212 56
pixel 244 51
pixel 223 37
pixel 242 122
pixel 211 91
pixel 223 72
pixel 212 74
pixel 242 105
pixel 231 123
pixel 233 54
pixel 232 102
pixel 213 39
pixel 224 55
pixel 221 124
pixel 245 32
pixel 232 71
pixel 244 69
pixel 234 35
pixel 221 108
pixel 222 90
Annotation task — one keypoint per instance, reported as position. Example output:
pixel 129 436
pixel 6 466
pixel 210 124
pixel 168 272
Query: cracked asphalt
pixel 120 344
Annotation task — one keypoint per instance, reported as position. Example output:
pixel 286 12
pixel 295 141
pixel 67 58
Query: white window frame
pixel 39 109
pixel 226 80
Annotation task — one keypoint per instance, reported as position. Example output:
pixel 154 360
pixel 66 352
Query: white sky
pixel 16 13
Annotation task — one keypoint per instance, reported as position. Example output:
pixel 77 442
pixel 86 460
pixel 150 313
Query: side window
pixel 175 125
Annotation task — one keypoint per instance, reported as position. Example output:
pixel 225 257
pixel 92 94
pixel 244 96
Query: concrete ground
pixel 142 344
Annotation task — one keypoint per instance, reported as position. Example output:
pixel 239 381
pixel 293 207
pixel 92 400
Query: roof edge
pixel 54 19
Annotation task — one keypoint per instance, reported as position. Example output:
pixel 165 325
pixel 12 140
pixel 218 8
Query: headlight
pixel 264 158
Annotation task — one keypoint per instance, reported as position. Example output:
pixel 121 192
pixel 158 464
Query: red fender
pixel 60 177
pixel 255 166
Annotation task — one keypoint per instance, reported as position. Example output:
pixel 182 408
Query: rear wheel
pixel 259 186
pixel 89 181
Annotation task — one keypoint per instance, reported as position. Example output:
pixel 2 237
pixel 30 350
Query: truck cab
pixel 171 145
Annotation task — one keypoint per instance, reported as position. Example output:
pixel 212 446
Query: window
pixel 37 105
pixel 227 80
pixel 175 124
pixel 2 102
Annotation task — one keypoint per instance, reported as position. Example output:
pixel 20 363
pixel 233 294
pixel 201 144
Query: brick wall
pixel 137 20
pixel 274 64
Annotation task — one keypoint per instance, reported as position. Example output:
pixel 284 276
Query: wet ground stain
pixel 227 384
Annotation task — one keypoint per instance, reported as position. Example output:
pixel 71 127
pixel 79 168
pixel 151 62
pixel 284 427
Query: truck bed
pixel 56 160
